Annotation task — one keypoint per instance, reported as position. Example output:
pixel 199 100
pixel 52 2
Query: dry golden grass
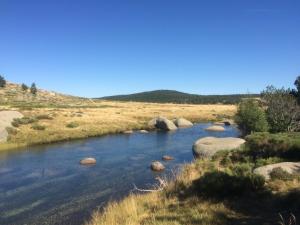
pixel 179 204
pixel 155 209
pixel 105 117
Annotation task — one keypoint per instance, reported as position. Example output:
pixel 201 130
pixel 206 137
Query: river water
pixel 46 184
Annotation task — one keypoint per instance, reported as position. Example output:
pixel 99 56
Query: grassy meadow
pixel 44 124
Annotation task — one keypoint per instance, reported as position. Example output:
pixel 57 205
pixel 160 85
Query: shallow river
pixel 46 184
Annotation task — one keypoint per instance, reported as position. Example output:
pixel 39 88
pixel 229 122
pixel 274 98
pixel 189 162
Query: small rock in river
pixel 167 157
pixel 88 161
pixel 144 131
pixel 157 166
pixel 128 132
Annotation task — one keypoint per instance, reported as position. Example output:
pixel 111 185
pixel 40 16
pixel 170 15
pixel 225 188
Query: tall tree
pixel 2 81
pixel 297 84
pixel 283 112
pixel 33 89
pixel 24 87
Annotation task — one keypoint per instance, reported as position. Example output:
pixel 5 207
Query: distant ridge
pixel 172 96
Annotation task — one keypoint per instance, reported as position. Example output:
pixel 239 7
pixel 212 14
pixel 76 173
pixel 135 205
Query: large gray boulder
pixel 162 123
pixel 208 146
pixel 289 167
pixel 181 122
pixel 152 123
pixel 6 117
pixel 215 128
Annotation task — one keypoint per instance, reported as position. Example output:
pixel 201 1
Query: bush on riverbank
pixel 266 145
pixel 250 117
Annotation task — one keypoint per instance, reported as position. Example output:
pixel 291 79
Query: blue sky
pixel 97 48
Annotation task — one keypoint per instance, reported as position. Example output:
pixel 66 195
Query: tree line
pixel 170 96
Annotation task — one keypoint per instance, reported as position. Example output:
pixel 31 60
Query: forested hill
pixel 170 96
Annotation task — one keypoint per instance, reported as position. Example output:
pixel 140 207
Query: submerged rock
pixel 208 146
pixel 88 161
pixel 157 166
pixel 215 128
pixel 167 158
pixel 181 122
pixel 289 167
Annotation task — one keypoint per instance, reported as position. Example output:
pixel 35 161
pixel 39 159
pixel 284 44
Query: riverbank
pixel 220 191
pixel 100 118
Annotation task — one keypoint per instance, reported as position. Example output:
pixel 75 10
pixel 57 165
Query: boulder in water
pixel 208 146
pixel 128 132
pixel 88 161
pixel 219 123
pixel 215 128
pixel 162 123
pixel 157 166
pixel 167 158
pixel 144 131
pixel 181 122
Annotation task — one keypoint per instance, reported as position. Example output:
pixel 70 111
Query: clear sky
pixel 97 48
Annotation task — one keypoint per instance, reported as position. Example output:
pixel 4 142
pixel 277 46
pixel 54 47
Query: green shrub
pixel 222 184
pixel 38 127
pixel 11 130
pixel 241 169
pixel 23 121
pixel 72 125
pixel 280 174
pixel 15 123
pixel 266 145
pixel 267 161
pixel 251 117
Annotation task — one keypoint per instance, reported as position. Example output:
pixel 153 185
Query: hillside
pixel 171 96
pixel 13 95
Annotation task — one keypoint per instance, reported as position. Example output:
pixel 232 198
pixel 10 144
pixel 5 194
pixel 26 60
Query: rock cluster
pixel 168 125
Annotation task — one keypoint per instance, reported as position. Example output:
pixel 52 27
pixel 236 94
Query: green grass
pixel 266 145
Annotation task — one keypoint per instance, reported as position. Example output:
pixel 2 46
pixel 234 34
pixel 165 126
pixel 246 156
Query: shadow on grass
pixel 251 202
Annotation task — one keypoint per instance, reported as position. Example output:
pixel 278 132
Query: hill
pixel 171 96
pixel 13 95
